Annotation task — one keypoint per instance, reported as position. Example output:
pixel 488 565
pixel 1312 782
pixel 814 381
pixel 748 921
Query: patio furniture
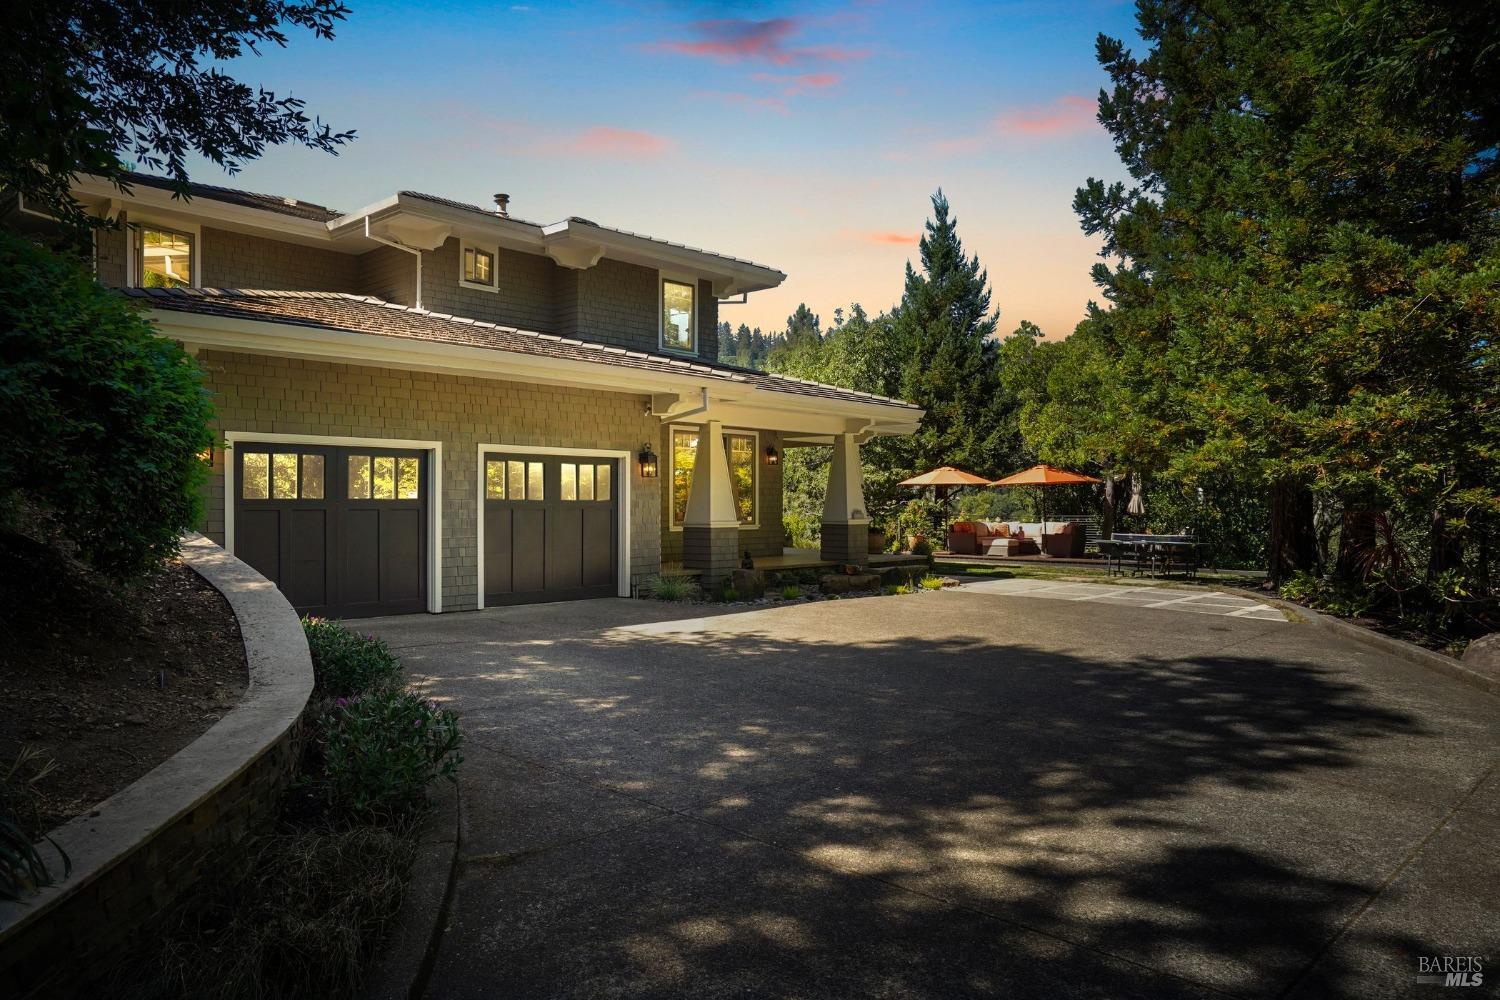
pixel 1156 554
pixel 1042 476
pixel 1065 541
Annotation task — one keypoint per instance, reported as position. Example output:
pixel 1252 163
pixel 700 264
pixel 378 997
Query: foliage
pixel 104 420
pixel 346 663
pixel 1227 515
pixel 300 918
pixel 1304 276
pixel 88 86
pixel 728 594
pixel 744 347
pixel 22 867
pixel 920 516
pixel 670 587
pixel 791 592
pixel 378 751
pixel 931 582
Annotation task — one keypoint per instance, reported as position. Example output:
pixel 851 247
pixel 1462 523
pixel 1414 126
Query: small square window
pixel 312 477
pixel 359 477
pixel 255 476
pixel 479 267
pixel 568 490
pixel 494 480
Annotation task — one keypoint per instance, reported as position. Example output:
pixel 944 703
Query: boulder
pixel 845 583
pixel 1483 655
pixel 748 583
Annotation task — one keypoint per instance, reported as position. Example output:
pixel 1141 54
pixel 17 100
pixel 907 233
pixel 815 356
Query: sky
pixel 806 136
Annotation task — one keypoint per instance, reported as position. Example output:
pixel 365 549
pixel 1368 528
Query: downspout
pixel 399 246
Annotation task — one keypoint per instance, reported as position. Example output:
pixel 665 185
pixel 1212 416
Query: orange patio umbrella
pixel 944 480
pixel 1044 475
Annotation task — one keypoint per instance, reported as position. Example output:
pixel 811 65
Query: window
pixel 478 267
pixel 512 480
pixel 163 258
pixel 584 482
pixel 276 476
pixel 382 477
pixel 741 450
pixel 679 331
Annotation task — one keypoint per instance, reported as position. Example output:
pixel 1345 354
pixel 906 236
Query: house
pixel 430 405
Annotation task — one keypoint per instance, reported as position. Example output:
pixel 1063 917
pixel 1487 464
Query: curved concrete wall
pixel 147 846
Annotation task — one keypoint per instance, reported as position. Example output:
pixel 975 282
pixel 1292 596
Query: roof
pixel 368 315
pixel 490 213
pixel 294 207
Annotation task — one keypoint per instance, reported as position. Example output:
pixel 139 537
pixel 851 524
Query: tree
pixel 88 86
pixel 1304 280
pixel 944 358
pixel 105 421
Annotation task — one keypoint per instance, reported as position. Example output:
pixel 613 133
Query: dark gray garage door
pixel 342 531
pixel 550 528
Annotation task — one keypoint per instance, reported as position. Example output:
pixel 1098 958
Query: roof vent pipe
pixel 502 205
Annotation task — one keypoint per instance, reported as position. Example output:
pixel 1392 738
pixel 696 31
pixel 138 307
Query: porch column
pixel 846 527
pixel 711 528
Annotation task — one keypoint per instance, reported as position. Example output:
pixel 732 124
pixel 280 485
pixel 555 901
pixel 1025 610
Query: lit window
pixel 678 325
pixel 164 259
pixel 741 450
pixel 479 267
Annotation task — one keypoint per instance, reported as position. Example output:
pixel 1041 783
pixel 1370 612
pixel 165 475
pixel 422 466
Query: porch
pixel 792 560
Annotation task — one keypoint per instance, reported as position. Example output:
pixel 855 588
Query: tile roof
pixel 369 315
pixel 489 213
pixel 249 199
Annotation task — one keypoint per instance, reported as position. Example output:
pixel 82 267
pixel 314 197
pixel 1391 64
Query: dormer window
pixel 679 323
pixel 163 258
pixel 478 267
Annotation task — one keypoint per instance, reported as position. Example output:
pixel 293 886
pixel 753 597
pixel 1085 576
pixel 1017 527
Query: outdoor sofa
pixel 1016 538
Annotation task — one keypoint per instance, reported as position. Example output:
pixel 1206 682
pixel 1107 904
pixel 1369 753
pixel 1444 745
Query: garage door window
pixel 384 477
pixel 584 482
pixel 281 476
pixel 513 480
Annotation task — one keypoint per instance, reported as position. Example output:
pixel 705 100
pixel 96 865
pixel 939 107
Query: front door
pixel 341 531
pixel 551 528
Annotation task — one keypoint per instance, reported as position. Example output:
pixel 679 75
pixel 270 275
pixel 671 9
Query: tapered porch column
pixel 711 528
pixel 846 527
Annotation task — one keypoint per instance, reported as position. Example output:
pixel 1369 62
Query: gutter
pixel 400 246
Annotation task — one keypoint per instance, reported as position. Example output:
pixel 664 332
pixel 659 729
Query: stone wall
pixel 144 849
pixel 291 396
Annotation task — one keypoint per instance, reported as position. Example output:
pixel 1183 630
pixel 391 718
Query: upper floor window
pixel 679 324
pixel 163 258
pixel 478 267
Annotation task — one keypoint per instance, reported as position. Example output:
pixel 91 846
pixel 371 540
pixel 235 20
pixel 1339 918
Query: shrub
pixel 379 751
pixel 22 867
pixel 729 594
pixel 298 919
pixel 104 420
pixel 791 592
pixel 671 588
pixel 931 582
pixel 346 663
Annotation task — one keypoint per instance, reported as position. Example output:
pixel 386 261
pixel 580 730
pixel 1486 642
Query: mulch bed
pixel 106 680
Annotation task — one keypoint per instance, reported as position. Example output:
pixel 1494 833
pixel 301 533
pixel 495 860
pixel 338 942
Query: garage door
pixel 551 526
pixel 341 531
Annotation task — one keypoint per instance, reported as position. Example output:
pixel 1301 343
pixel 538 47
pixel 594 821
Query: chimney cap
pixel 502 204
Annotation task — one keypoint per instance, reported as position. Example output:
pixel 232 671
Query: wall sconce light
pixel 648 462
pixel 773 457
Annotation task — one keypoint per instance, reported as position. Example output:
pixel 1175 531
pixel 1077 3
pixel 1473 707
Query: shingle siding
pixel 262 394
pixel 235 260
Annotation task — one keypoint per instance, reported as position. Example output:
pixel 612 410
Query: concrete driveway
pixel 964 793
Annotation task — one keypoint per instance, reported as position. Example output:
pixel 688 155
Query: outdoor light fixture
pixel 648 462
pixel 773 457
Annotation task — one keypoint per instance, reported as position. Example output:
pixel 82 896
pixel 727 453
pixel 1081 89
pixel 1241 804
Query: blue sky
pixel 805 136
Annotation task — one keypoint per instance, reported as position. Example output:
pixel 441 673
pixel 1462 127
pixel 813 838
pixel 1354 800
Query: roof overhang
pixel 811 419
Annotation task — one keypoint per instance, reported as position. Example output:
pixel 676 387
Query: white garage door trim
pixel 434 507
pixel 626 478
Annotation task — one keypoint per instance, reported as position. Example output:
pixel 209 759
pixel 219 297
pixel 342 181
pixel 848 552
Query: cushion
pixel 1003 531
pixel 963 527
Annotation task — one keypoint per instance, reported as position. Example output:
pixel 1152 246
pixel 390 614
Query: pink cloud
pixel 617 143
pixel 755 102
pixel 1063 115
pixel 739 39
pixel 891 237
pixel 793 84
